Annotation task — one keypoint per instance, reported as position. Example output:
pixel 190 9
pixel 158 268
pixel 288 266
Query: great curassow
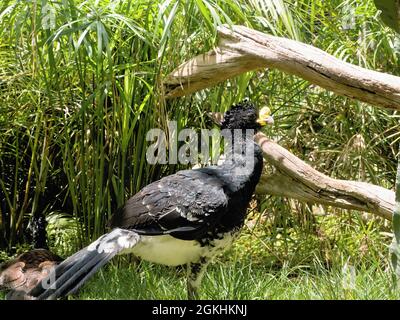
pixel 183 219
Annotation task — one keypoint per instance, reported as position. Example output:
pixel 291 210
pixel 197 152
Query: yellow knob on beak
pixel 264 117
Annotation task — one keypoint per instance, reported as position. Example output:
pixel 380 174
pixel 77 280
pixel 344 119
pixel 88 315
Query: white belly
pixel 171 251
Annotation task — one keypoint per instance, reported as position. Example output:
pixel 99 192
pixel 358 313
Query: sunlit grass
pixel 240 280
pixel 236 280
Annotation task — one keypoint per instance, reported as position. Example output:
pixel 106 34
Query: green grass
pixel 238 280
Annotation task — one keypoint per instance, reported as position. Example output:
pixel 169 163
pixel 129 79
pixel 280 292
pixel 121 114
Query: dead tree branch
pixel 294 178
pixel 241 49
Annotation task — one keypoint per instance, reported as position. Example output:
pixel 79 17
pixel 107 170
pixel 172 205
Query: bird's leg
pixel 194 277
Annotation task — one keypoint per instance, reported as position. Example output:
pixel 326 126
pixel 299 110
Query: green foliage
pixel 78 108
pixel 309 234
pixel 390 12
pixel 395 246
pixel 80 85
pixel 63 232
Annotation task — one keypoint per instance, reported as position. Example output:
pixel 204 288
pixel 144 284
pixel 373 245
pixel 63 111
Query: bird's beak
pixel 264 117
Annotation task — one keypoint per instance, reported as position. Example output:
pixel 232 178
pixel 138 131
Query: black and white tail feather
pixel 72 273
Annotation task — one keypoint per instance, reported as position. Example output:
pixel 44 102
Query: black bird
pixel 183 219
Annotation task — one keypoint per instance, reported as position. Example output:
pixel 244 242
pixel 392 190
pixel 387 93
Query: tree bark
pixel 241 49
pixel 294 178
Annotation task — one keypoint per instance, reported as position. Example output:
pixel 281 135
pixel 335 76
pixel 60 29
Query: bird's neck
pixel 243 165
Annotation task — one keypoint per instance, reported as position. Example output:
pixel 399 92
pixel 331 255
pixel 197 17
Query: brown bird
pixel 20 275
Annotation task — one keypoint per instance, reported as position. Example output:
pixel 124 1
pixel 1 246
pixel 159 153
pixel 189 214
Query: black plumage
pixel 184 218
pixel 183 205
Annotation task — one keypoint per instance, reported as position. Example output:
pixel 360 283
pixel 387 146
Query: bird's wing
pixel 185 205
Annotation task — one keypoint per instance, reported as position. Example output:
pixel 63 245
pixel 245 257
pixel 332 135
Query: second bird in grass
pixel 183 219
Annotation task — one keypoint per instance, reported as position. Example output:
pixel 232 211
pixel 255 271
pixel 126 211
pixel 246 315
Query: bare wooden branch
pixel 241 49
pixel 294 178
